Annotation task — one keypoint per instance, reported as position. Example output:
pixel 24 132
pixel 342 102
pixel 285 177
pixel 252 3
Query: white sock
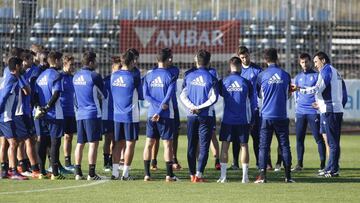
pixel 223 170
pixel 126 171
pixel 115 170
pixel 198 174
pixel 245 169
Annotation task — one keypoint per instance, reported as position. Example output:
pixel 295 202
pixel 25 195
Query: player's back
pixel 8 97
pixel 273 85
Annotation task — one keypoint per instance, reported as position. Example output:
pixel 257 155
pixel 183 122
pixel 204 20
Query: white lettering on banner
pixel 187 38
pixel 352 108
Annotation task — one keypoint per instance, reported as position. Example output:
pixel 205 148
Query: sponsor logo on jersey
pixel 275 79
pixel 235 87
pixel 80 80
pixel 119 82
pixel 157 82
pixel 199 81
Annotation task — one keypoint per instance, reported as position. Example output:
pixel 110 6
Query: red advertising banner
pixel 148 36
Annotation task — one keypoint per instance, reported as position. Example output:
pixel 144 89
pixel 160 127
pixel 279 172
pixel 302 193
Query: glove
pixel 39 112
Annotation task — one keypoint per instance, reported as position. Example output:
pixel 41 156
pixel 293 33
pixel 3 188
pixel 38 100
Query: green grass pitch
pixel 308 187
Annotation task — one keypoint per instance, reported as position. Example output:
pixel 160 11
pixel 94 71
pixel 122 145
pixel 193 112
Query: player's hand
pixel 155 118
pixel 195 111
pixel 294 88
pixel 164 106
pixel 39 112
pixel 315 105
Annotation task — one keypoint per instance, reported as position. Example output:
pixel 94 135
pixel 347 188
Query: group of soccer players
pixel 42 99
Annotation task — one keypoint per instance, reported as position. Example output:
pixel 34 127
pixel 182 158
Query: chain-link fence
pixel 110 26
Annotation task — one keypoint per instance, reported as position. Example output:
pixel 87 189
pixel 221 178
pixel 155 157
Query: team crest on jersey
pixel 80 80
pixel 43 81
pixel 157 82
pixel 311 78
pixel 119 82
pixel 252 75
pixel 199 81
pixel 235 87
pixel 275 79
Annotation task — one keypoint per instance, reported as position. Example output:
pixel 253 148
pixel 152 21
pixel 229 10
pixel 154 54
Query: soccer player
pixel 273 85
pixel 89 89
pixel 249 71
pixel 199 94
pixel 329 95
pixel 67 104
pixel 236 91
pixel 128 90
pixel 24 124
pixel 9 97
pixel 159 88
pixel 306 114
pixel 48 89
pixel 108 124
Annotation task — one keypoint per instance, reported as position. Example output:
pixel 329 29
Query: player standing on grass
pixel 127 89
pixel 236 122
pixel 306 114
pixel 329 96
pixel 67 104
pixel 89 91
pixel 199 94
pixel 249 71
pixel 47 93
pixel 273 85
pixel 159 88
pixel 9 99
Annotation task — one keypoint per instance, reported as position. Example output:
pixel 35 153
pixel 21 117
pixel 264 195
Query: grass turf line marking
pixel 59 188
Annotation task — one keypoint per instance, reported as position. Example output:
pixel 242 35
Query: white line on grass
pixel 59 188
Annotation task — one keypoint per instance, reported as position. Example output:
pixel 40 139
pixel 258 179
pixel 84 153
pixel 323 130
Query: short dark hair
pixel 134 51
pixel 243 50
pixel 127 58
pixel 16 51
pixel 321 55
pixel 13 62
pixel 164 54
pixel 116 59
pixel 53 56
pixel 304 56
pixel 270 55
pixel 68 58
pixel 88 57
pixel 203 57
pixel 26 55
pixel 236 61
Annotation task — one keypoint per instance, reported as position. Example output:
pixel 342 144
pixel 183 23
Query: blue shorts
pixel 89 130
pixel 322 124
pixel 232 133
pixel 107 126
pixel 126 131
pixel 163 129
pixel 24 126
pixel 40 128
pixel 50 127
pixel 70 125
pixel 8 129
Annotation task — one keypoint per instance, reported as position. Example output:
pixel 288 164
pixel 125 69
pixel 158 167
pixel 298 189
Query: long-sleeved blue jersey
pixel 273 86
pixel 251 73
pixel 199 91
pixel 159 88
pixel 67 95
pixel 328 90
pixel 239 104
pixel 127 90
pixel 304 101
pixel 107 103
pixel 47 83
pixel 9 96
pixel 89 89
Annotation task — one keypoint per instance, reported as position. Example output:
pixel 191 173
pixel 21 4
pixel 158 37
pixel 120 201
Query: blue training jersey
pixel 200 91
pixel 89 89
pixel 237 92
pixel 328 90
pixel 159 88
pixel 251 73
pixel 128 90
pixel 67 95
pixel 273 86
pixel 47 83
pixel 9 92
pixel 304 101
pixel 107 103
